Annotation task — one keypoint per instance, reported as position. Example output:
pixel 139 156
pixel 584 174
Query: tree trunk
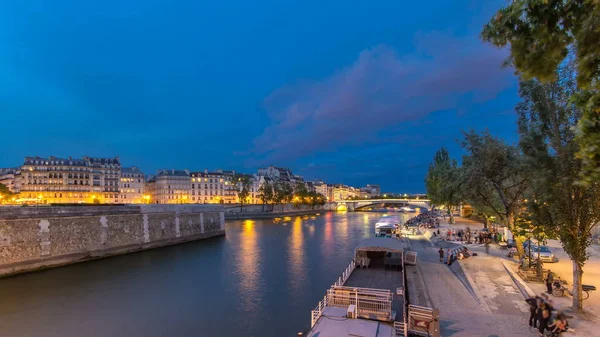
pixel 510 219
pixel 451 216
pixel 577 275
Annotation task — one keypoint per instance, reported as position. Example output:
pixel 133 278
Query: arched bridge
pixel 357 205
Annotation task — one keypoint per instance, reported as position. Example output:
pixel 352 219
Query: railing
pixel 419 320
pixel 400 329
pixel 369 303
pixel 345 275
pixel 318 311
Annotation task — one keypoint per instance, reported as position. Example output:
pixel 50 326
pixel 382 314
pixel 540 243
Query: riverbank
pixel 271 215
pixel 34 238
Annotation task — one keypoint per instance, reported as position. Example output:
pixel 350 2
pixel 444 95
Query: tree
pixel 243 184
pixel 495 175
pixel 5 193
pixel 440 181
pixel 265 193
pixel 287 193
pixel 542 34
pixel 562 206
pixel 300 194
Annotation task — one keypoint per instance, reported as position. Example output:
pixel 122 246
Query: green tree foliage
pixel 287 191
pixel 559 204
pixel 440 181
pixel 283 193
pixel 542 34
pixel 494 175
pixel 243 184
pixel 5 193
pixel 300 194
pixel 265 193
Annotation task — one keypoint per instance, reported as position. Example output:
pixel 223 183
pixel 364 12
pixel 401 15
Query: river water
pixel 262 279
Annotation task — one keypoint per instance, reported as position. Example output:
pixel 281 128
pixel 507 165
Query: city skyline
pixel 186 93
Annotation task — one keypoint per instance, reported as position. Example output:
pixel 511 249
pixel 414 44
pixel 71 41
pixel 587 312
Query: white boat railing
pixel 318 311
pixel 369 303
pixel 345 275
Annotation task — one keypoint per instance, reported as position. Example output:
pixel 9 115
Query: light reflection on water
pixel 248 266
pixel 261 280
pixel 296 256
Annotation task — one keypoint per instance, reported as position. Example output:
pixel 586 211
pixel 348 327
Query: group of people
pixel 453 255
pixel 544 317
pixel 428 219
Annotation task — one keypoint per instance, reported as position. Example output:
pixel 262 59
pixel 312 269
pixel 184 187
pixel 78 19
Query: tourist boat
pixel 369 300
pixel 387 225
pixel 406 209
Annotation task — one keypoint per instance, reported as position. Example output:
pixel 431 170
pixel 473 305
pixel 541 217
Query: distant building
pixel 279 174
pixel 170 187
pixel 132 186
pixel 70 180
pixel 10 179
pixel 320 187
pixel 340 192
pixel 371 191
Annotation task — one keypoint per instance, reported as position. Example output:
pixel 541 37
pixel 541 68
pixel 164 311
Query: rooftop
pixel 173 173
pixel 334 323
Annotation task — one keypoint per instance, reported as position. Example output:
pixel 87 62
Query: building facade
pixel 70 180
pixel 132 186
pixel 10 179
pixel 340 192
pixel 320 187
pixel 170 187
pixel 216 187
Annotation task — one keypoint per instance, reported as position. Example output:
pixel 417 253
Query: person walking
pixel 441 252
pixel 533 305
pixel 543 321
pixel 549 281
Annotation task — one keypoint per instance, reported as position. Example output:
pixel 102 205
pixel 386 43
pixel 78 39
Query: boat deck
pixel 334 324
pixel 378 277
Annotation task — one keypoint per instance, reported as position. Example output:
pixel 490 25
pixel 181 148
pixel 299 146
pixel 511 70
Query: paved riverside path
pixel 461 313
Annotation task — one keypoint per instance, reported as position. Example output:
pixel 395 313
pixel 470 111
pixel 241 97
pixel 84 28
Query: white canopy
pixel 380 245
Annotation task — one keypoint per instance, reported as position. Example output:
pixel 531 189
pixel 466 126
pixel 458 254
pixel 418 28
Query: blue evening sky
pixel 346 91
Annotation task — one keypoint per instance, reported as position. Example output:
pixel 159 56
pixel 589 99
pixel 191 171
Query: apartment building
pixel 70 180
pixel 132 186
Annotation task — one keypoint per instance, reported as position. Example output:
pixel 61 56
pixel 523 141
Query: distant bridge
pixel 357 205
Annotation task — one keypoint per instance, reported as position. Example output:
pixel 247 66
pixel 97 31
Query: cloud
pixel 377 93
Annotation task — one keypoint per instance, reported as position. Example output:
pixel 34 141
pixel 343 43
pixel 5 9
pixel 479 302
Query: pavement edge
pixel 521 284
pixel 472 288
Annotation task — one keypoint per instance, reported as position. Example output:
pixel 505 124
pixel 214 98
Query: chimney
pixel 205 171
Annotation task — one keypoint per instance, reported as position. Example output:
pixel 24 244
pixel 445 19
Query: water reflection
pixel 262 279
pixel 248 265
pixel 297 263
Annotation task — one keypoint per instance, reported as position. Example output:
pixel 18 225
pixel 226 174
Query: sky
pixel 354 92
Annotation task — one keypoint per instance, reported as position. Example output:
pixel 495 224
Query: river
pixel 262 279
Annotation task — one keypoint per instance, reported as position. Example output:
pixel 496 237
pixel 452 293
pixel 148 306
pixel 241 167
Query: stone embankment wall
pixel 37 237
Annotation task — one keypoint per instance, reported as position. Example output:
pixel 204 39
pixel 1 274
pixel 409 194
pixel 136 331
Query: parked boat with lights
pixel 387 225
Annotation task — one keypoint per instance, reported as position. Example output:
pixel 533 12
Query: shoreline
pixel 271 215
